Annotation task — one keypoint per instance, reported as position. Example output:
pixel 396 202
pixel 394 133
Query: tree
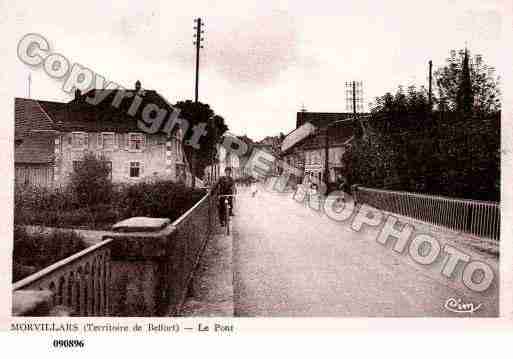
pixel 465 95
pixel 468 75
pixel 413 101
pixel 200 114
pixel 91 182
pixel 397 150
pixel 411 148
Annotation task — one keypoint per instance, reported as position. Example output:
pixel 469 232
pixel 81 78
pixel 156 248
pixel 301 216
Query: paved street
pixel 292 261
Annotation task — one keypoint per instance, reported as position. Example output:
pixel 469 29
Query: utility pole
pixel 214 151
pixel 354 98
pixel 197 42
pixel 430 82
pixel 352 85
pixel 29 84
pixel 326 158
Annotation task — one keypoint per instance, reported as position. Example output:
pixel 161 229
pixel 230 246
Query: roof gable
pixel 321 119
pixel 29 116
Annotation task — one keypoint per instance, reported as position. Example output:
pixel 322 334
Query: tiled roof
pixel 321 119
pixel 305 138
pixel 79 115
pixel 29 115
pixel 33 132
pixel 37 121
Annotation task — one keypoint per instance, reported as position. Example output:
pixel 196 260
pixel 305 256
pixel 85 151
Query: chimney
pixel 77 94
pixel 137 85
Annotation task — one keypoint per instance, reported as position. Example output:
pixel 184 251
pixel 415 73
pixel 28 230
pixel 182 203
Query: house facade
pixel 51 139
pixel 304 148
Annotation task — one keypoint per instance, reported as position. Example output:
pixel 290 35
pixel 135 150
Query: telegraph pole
pixel 197 42
pixel 354 98
pixel 430 81
pixel 29 84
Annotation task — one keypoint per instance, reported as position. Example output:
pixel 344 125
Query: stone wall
pixel 144 267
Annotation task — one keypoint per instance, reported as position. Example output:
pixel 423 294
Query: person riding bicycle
pixel 341 185
pixel 226 187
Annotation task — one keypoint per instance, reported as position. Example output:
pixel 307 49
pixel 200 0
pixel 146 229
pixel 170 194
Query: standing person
pixel 306 186
pixel 226 187
pixel 254 189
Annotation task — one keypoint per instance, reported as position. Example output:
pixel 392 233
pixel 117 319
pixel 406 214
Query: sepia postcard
pixel 228 167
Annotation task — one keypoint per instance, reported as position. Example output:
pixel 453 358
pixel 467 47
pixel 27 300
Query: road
pixel 289 260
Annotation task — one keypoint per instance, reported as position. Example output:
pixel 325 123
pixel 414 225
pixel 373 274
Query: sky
pixel 261 61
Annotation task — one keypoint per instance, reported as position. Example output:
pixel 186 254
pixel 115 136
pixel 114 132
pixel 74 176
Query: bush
pixel 61 208
pixel 90 181
pixel 35 251
pixel 164 199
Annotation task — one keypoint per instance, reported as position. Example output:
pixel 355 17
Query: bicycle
pixel 227 208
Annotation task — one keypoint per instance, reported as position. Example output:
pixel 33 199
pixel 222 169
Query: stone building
pixel 51 139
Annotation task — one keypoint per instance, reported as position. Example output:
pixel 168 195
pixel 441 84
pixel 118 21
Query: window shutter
pixel 141 169
pixel 143 142
pixel 118 139
pixel 126 141
pixel 99 140
pixel 86 140
pixel 127 169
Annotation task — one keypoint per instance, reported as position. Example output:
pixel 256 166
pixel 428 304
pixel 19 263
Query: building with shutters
pixel 304 148
pixel 51 139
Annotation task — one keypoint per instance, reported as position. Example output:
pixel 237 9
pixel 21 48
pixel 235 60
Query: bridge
pixel 376 253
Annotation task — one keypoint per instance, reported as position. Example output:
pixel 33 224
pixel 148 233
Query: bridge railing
pixel 80 282
pixel 478 218
pixel 138 271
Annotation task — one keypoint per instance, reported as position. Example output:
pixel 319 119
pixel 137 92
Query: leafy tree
pixel 465 94
pixel 469 75
pixel 90 180
pixel 91 183
pixel 198 114
pixel 413 101
pixel 410 148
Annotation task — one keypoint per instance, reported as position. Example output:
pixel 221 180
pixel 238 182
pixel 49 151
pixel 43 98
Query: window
pixel 79 139
pixel 135 141
pixel 108 141
pixel 76 165
pixel 135 169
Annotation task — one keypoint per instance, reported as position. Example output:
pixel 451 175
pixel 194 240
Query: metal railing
pixel 478 218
